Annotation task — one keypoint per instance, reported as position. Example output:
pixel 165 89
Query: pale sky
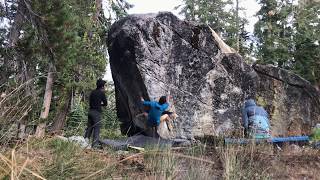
pixel 154 6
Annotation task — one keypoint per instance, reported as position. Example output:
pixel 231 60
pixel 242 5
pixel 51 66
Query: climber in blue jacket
pixel 255 120
pixel 156 110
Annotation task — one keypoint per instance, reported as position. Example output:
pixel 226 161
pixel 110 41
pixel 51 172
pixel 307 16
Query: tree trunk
pixel 61 115
pixel 29 92
pixel 13 38
pixel 21 131
pixel 40 130
pixel 238 28
pixel 98 10
pixel 14 32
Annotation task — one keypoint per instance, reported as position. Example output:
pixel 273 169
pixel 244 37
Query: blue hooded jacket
pixel 252 114
pixel 155 112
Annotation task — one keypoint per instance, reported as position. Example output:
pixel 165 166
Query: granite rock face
pixel 292 102
pixel 157 54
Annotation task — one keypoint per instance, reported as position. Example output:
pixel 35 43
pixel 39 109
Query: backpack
pixel 259 126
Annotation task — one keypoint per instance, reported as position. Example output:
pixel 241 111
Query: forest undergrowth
pixel 54 158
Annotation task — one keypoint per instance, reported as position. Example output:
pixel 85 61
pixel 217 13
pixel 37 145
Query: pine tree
pixel 66 35
pixel 223 17
pixel 307 39
pixel 288 37
pixel 212 13
pixel 274 32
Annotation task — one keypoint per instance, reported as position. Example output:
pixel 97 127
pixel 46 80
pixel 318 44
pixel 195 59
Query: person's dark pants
pixel 152 130
pixel 94 125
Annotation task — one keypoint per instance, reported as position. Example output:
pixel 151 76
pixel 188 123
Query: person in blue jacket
pixel 155 110
pixel 255 120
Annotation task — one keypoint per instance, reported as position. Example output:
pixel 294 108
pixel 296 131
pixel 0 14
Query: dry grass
pixel 52 158
pixel 246 162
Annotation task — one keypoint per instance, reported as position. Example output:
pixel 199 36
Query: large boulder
pixel 292 102
pixel 157 54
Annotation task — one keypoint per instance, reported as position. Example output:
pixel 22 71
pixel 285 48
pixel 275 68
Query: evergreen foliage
pixel 77 119
pixel 288 37
pixel 224 17
pixel 68 34
pixel 274 32
pixel 307 39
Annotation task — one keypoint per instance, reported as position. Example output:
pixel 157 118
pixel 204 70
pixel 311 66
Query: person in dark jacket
pixel 255 120
pixel 97 99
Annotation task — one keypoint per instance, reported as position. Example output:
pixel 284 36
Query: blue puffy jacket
pixel 155 112
pixel 255 120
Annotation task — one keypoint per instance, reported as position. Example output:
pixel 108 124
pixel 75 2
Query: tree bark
pixel 238 27
pixel 13 38
pixel 21 131
pixel 28 92
pixel 59 120
pixel 14 32
pixel 98 10
pixel 40 130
